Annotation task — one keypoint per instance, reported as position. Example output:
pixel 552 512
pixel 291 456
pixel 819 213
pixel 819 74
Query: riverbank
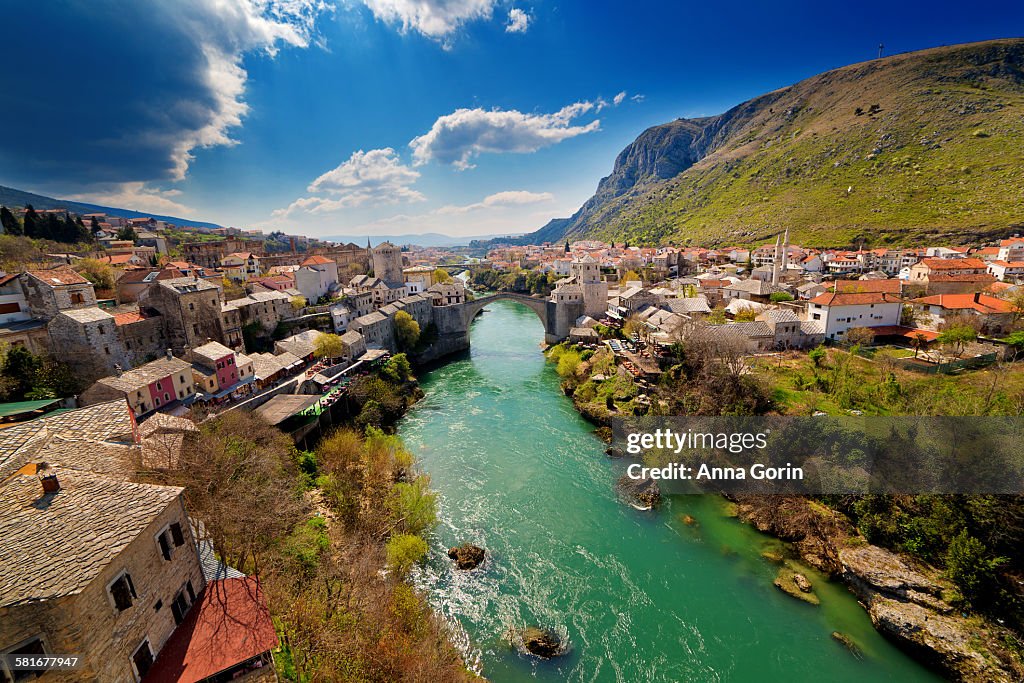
pixel 907 601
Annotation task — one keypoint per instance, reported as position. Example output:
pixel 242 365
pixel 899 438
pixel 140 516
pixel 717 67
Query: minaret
pixel 785 252
pixel 775 261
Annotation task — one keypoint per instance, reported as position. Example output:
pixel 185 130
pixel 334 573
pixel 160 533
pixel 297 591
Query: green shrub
pixel 404 551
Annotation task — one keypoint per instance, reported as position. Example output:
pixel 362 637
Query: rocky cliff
pixel 927 144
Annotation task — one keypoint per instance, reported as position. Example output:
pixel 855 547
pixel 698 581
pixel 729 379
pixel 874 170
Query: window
pixel 182 602
pixel 10 308
pixel 122 591
pixel 32 646
pixel 191 306
pixel 177 535
pixel 77 298
pixel 167 396
pixel 100 328
pixel 142 659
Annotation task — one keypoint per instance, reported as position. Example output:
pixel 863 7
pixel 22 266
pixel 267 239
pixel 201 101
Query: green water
pixel 640 595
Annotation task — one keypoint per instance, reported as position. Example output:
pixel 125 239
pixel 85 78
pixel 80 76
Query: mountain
pixel 922 145
pixel 427 239
pixel 11 197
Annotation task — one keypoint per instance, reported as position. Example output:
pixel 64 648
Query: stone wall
pixel 89 625
pixel 92 349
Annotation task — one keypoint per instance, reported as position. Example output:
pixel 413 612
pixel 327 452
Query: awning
pixel 281 407
pixel 22 407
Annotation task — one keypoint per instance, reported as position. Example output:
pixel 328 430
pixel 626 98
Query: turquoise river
pixel 641 596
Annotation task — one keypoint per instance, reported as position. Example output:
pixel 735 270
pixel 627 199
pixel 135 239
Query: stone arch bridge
pixel 557 317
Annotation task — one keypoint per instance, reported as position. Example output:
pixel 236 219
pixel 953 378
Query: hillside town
pixel 170 333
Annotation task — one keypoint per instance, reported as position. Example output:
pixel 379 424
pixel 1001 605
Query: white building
pixel 316 277
pixel 841 312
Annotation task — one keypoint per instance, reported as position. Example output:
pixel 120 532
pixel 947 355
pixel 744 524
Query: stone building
pixel 94 565
pixel 106 569
pixel 209 254
pixel 586 272
pixel 447 293
pixel 48 292
pixel 387 264
pixel 190 308
pixel 88 341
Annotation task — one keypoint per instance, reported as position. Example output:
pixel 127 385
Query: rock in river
pixel 847 642
pixel 643 494
pixel 541 642
pixel 788 583
pixel 466 556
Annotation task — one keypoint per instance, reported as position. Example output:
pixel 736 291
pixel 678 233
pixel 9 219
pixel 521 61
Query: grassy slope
pixel 944 156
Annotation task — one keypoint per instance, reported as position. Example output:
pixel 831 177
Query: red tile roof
pixel 855 299
pixel 128 317
pixel 228 624
pixel 982 303
pixel 58 277
pixel 954 263
pixel 316 260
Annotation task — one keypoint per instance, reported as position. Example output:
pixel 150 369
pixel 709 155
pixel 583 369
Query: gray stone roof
pixel 90 314
pixel 777 315
pixel 755 287
pixel 812 327
pixel 698 304
pixel 187 284
pixel 104 422
pixel 53 545
pixel 142 376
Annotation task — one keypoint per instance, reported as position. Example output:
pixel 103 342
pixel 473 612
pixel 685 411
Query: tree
pixel 398 368
pixel 441 276
pixel 100 274
pixel 957 337
pixel 298 303
pixel 817 355
pixel 777 297
pixel 745 315
pixel 969 566
pixel 407 330
pixel 30 223
pixel 20 367
pixel 632 327
pixel 10 222
pixel 717 316
pixel 1016 342
pixel 918 342
pixel 859 336
pixel 328 346
pixel 94 224
pixel 127 233
pixel 630 275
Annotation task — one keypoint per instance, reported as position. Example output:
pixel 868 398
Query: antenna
pixel 881 47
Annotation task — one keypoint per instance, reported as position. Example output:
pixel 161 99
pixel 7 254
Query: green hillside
pixel 925 145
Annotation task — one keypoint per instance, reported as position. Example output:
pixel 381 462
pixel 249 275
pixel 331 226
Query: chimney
pixel 48 478
pixel 977 297
pixel 170 354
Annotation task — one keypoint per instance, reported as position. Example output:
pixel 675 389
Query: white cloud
pixel 617 100
pixel 436 19
pixel 458 137
pixel 224 31
pixel 136 197
pixel 511 211
pixel 369 178
pixel 518 21
pixel 638 98
pixel 508 198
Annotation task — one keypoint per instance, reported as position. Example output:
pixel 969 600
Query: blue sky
pixel 334 117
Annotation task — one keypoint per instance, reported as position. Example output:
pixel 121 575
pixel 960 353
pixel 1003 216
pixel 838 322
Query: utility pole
pixel 880 48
